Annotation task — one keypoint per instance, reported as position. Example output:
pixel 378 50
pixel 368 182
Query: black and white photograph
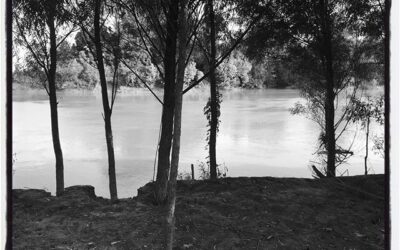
pixel 199 124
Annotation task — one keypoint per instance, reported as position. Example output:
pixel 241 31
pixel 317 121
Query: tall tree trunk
pixel 106 106
pixel 366 148
pixel 329 90
pixel 213 96
pixel 170 218
pixel 167 118
pixel 387 35
pixel 53 103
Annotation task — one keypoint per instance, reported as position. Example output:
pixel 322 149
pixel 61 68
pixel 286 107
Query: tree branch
pixel 225 55
pixel 143 81
pixel 65 37
pixel 147 48
pixel 29 47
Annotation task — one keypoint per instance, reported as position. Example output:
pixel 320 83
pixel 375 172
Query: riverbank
pixel 233 213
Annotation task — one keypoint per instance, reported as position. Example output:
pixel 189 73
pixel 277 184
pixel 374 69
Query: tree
pixel 166 34
pixel 215 98
pixel 351 72
pixel 362 112
pixel 377 24
pixel 216 30
pixel 325 45
pixel 90 18
pixel 157 32
pixel 38 24
pixel 156 24
pixel 320 31
pixel 182 57
pixel 167 118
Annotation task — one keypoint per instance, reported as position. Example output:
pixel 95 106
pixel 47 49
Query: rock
pixel 146 193
pixel 145 190
pixel 84 191
pixel 30 194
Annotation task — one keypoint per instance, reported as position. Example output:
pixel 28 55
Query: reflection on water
pixel 258 137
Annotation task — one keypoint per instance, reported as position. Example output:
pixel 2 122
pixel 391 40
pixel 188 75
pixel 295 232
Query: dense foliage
pixel 238 71
pixel 267 59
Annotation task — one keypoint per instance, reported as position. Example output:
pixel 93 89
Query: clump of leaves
pixel 204 171
pixel 379 145
pixel 364 110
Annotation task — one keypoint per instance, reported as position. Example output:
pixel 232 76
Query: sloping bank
pixel 233 213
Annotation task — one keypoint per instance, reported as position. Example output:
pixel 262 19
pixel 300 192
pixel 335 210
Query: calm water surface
pixel 258 137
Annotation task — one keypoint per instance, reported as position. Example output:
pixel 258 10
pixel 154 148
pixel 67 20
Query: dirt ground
pixel 233 213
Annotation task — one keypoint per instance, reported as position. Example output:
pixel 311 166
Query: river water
pixel 258 137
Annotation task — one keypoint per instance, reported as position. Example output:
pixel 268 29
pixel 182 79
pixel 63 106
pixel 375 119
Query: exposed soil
pixel 233 213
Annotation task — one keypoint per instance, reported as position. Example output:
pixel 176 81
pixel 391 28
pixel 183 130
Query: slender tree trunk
pixel 170 218
pixel 106 106
pixel 366 148
pixel 167 118
pixel 53 104
pixel 111 159
pixel 330 125
pixel 213 96
pixel 330 95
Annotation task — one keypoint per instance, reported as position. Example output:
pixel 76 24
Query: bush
pixel 222 172
pixel 184 176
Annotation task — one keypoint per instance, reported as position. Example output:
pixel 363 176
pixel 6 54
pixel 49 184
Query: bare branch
pixel 146 47
pixel 205 52
pixel 141 79
pixel 140 26
pixel 191 51
pixel 29 47
pixel 90 48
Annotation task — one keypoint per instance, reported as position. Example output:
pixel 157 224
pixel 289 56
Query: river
pixel 258 137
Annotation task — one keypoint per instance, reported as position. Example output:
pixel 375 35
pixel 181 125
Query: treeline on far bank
pixel 75 71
